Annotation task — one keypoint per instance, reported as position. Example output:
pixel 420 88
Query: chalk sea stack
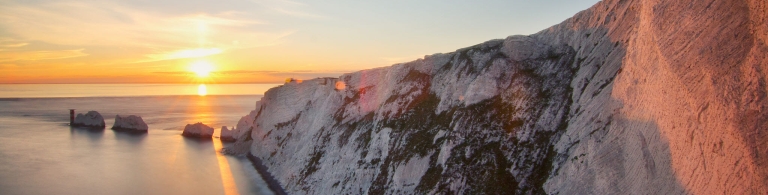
pixel 92 119
pixel 198 130
pixel 131 123
pixel 227 135
pixel 626 97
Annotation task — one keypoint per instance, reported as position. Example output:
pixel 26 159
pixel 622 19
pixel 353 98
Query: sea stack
pixel 198 130
pixel 130 123
pixel 92 119
pixel 227 135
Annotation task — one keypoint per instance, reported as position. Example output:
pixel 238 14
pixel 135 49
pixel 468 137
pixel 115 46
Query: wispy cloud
pixel 290 8
pixel 13 44
pixel 259 72
pixel 247 72
pixel 230 72
pixel 11 56
pixel 181 54
pixel 151 35
pixel 254 76
pixel 298 14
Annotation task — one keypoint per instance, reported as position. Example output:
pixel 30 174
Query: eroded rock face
pixel 198 130
pixel 243 138
pixel 227 135
pixel 130 123
pixel 628 96
pixel 92 119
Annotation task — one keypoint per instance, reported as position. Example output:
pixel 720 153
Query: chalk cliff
pixel 647 97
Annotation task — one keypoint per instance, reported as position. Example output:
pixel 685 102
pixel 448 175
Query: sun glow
pixel 194 53
pixel 201 68
pixel 202 90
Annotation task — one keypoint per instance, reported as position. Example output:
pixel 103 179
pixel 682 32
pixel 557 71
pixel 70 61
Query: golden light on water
pixel 227 181
pixel 202 110
pixel 202 90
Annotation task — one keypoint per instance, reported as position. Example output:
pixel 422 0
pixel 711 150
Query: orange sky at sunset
pixel 244 41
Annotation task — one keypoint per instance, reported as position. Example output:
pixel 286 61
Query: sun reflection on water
pixel 202 90
pixel 201 109
pixel 227 181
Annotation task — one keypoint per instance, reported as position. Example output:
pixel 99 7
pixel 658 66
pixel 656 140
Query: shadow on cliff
pixel 625 155
pixel 272 183
pixel 606 149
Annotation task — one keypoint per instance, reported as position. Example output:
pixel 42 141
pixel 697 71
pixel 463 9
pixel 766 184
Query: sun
pixel 201 68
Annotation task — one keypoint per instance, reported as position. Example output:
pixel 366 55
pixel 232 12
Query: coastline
pixel 272 183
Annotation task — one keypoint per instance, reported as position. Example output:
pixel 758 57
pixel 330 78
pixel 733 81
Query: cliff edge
pixel 647 97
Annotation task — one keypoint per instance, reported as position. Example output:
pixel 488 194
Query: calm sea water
pixel 41 154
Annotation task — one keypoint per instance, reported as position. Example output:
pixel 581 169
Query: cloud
pixel 11 56
pixel 304 74
pixel 230 72
pixel 181 54
pixel 13 44
pixel 246 72
pixel 148 35
pixel 174 73
pixel 249 76
pixel 289 8
pixel 298 14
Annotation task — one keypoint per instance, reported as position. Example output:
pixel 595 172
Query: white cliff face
pixel 198 130
pixel 91 119
pixel 130 123
pixel 425 126
pixel 624 97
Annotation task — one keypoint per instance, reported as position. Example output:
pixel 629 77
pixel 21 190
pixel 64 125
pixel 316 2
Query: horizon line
pixel 149 83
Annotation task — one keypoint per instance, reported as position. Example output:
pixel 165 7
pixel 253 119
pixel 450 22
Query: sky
pixel 247 41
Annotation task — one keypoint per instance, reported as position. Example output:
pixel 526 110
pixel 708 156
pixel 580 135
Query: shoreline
pixel 272 183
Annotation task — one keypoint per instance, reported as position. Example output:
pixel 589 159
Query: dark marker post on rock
pixel 71 116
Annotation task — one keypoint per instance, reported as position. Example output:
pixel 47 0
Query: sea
pixel 41 154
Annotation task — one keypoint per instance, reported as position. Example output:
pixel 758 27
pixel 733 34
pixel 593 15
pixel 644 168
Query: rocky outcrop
pixel 227 135
pixel 629 96
pixel 92 119
pixel 131 123
pixel 198 130
pixel 243 138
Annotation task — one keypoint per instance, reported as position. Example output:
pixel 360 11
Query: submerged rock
pixel 198 130
pixel 92 119
pixel 130 123
pixel 227 135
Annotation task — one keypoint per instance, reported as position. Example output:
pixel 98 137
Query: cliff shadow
pixel 617 154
